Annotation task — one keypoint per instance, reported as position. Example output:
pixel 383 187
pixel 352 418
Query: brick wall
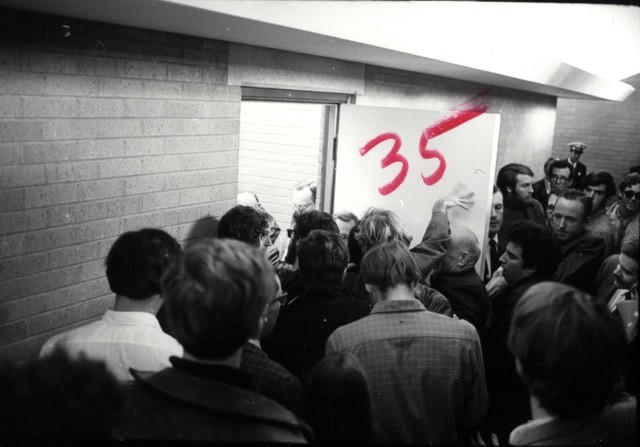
pixel 611 131
pixel 103 130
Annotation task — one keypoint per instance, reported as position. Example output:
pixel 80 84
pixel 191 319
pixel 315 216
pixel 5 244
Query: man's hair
pixel 388 264
pixel 216 297
pixel 495 189
pixel 547 166
pixel 311 184
pixel 561 164
pixel 601 178
pixel 629 180
pixel 58 397
pixel 508 176
pixel 630 248
pixel 138 259
pixel 346 216
pixel 355 250
pixel 337 401
pixel 243 223
pixel 322 258
pixel 574 194
pixel 540 249
pixel 314 220
pixel 570 352
pixel 380 225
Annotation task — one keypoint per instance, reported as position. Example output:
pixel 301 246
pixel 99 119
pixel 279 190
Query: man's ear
pixel 463 258
pixel 509 189
pixel 530 270
pixel 369 288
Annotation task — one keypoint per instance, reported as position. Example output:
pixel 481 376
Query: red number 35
pixel 467 111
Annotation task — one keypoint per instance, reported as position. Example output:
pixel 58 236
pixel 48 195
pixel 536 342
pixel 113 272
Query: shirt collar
pixel 411 305
pixel 126 318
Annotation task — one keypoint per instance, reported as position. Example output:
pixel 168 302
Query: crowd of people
pixel 336 331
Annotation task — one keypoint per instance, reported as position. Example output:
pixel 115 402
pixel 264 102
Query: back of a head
pixel 314 220
pixel 216 297
pixel 322 258
pixel 463 239
pixel 540 248
pixel 508 176
pixel 248 199
pixel 380 225
pixel 138 259
pixel 243 223
pixel 346 216
pixel 337 401
pixel 57 397
pixel 570 352
pixel 389 264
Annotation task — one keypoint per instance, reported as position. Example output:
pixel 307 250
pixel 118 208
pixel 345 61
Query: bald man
pixel 455 277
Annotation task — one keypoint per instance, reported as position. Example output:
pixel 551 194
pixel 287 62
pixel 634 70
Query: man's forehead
pixel 523 178
pixel 302 193
pixel 560 170
pixel 568 206
pixel 628 263
pixel 596 187
pixel 497 197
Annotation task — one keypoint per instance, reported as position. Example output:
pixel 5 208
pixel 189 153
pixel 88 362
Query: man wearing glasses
pixel 576 149
pixel 624 213
pixel 561 175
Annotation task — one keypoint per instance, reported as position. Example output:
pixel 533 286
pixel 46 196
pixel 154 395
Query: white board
pixel 468 149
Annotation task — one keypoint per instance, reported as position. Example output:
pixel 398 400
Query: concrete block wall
pixel 103 129
pixel 611 131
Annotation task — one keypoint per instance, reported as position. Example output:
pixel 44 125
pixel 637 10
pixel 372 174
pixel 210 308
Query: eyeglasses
pixel 559 179
pixel 630 194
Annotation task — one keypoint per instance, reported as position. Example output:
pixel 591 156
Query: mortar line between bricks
pixel 102 238
pixel 77 263
pixel 107 200
pixel 121 98
pixel 115 138
pixel 9 188
pixel 89 160
pixel 13 300
pixel 51 330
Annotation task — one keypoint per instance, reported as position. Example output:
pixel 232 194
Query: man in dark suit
pixel 456 278
pixel 576 149
pixel 582 252
pixel 215 302
pixel 531 257
pixel 542 188
pixel 305 323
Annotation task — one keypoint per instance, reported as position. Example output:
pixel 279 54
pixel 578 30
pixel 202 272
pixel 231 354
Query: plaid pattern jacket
pixel 425 371
pixel 269 378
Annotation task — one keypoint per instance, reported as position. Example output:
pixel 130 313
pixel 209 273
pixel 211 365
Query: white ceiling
pixel 565 50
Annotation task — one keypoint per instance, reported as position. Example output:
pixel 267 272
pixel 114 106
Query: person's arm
pixel 435 240
pixel 477 401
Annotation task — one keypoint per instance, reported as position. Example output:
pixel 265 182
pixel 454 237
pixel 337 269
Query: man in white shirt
pixel 129 336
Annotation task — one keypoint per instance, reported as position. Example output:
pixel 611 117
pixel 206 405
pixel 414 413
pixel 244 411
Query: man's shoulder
pixel 218 411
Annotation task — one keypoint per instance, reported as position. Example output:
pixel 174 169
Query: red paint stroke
pixel 390 158
pixel 466 111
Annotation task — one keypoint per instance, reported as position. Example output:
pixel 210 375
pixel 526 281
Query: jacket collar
pixel 394 306
pixel 210 394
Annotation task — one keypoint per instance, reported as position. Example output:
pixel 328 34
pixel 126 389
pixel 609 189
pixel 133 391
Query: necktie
pixel 493 255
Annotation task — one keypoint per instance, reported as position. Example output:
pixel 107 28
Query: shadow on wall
pixel 204 227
